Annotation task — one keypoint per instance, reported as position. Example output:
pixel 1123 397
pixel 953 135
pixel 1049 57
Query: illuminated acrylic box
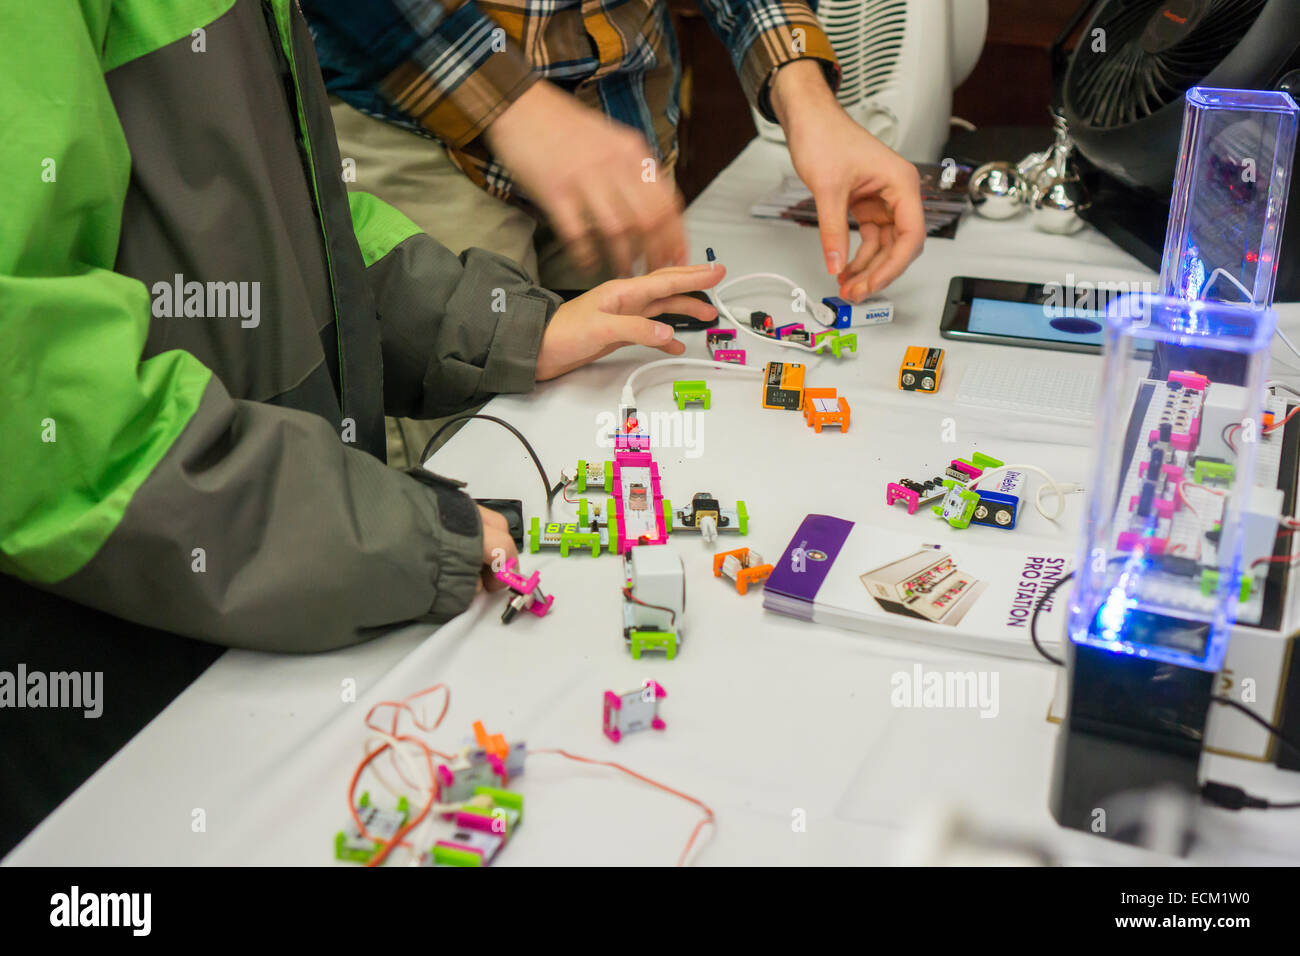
pixel 1229 196
pixel 1160 574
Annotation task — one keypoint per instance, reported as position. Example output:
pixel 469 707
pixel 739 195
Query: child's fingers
pixel 634 330
pixel 633 295
pixel 682 305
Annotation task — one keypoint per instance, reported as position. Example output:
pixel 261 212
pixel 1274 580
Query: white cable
pixel 410 770
pixel 714 298
pixel 1060 489
pixel 1250 298
pixel 629 391
pixel 1289 344
pixel 1284 386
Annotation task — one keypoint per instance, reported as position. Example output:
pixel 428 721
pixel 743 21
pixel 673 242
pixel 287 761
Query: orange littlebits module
pixel 494 744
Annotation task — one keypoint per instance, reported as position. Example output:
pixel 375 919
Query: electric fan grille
pixel 868 41
pixel 1129 80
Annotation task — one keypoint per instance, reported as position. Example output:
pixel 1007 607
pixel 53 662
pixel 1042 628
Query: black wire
pixel 1231 797
pixel 1276 732
pixel 1218 699
pixel 627 593
pixel 551 490
pixel 1033 619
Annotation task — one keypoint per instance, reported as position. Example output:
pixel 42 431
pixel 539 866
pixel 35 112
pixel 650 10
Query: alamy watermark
pixel 208 300
pixel 1129 300
pixel 945 690
pixel 76 909
pixel 75 690
pixel 673 429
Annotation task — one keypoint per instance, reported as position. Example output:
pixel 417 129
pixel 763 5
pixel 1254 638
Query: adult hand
pixel 849 170
pixel 597 180
pixel 613 315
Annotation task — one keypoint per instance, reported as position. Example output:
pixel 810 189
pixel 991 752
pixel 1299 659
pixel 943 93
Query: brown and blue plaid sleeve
pixel 465 72
pixel 765 35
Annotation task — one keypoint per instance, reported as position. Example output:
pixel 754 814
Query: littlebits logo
pixel 56 690
pixel 102 909
pixel 939 690
pixel 208 300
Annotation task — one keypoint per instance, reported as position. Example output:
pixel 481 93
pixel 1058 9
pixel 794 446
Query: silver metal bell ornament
pixel 1058 194
pixel 997 191
pixel 1056 206
pixel 1045 182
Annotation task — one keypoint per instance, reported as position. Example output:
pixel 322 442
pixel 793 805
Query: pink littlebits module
pixel 720 343
pixel 632 711
pixel 527 590
pixel 896 492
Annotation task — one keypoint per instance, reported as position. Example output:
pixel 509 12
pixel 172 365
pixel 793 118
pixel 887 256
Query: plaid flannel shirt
pixel 447 68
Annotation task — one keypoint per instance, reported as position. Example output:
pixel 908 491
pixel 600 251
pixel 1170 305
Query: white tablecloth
pixel 769 720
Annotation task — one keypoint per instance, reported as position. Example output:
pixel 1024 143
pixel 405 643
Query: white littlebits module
pixel 844 314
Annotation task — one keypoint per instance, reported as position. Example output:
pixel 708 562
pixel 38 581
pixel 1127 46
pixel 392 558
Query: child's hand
pixel 613 315
pixel 497 546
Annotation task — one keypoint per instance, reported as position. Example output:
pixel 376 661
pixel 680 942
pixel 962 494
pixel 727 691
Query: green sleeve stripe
pixel 379 226
pixel 84 420
pixel 88 423
pixel 137 27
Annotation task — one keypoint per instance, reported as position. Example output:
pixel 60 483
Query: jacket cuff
pixel 459 550
pixel 512 360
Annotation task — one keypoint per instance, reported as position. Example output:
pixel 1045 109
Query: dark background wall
pixel 1008 87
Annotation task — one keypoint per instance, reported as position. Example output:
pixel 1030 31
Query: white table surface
pixel 766 716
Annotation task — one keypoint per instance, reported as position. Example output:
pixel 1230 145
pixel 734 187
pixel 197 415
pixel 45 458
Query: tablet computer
pixel 1031 314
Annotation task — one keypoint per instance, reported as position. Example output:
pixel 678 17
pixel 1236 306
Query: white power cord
pixel 1287 342
pixel 1250 300
pixel 629 390
pixel 1050 484
pixel 1283 386
pixel 813 310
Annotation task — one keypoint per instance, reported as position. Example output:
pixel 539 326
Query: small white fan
pixel 900 62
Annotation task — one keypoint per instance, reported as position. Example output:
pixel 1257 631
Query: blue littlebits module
pixel 847 315
pixel 1000 506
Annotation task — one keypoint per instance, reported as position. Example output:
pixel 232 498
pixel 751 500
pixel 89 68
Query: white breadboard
pixel 1185 532
pixel 1051 393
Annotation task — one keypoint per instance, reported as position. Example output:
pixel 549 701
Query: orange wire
pixel 1276 425
pixel 1183 494
pixel 429 753
pixel 410 825
pixel 709 818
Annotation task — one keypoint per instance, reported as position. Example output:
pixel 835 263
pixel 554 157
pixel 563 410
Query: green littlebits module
pixel 350 846
pixel 958 506
pixel 691 392
pixel 483 826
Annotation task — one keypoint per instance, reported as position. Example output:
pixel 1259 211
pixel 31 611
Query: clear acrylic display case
pixel 1229 196
pixel 1159 574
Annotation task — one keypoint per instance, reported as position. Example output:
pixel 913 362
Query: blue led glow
pixel 1121 620
pixel 1114 615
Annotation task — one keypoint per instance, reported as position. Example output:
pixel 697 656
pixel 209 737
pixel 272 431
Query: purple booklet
pixel 807 560
pixel 959 589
